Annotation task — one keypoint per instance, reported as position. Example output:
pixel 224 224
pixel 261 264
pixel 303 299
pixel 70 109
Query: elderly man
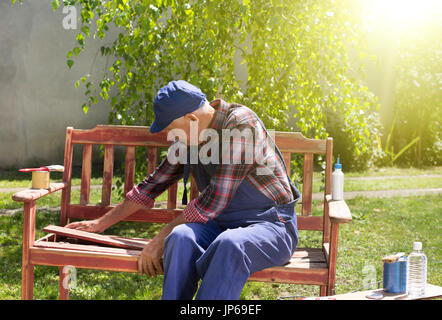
pixel 243 220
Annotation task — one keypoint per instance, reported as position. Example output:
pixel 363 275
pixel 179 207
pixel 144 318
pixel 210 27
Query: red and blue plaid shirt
pixel 228 176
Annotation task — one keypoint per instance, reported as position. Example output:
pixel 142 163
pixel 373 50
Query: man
pixel 243 220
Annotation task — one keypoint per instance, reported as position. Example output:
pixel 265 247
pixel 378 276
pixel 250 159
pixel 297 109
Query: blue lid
pixel 338 165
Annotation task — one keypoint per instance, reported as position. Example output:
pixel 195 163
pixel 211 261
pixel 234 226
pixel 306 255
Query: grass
pixel 379 227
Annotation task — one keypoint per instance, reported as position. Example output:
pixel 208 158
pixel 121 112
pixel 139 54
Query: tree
pixel 303 60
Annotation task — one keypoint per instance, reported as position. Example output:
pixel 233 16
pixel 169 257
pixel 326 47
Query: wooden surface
pixel 119 242
pixel 432 292
pixel 338 211
pixel 34 194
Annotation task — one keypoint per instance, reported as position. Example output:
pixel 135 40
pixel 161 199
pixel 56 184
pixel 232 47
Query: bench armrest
pixel 34 194
pixel 338 210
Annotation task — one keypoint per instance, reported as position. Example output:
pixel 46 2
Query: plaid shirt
pixel 228 176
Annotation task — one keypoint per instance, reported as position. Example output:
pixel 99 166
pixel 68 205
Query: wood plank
pixel 333 255
pixel 297 143
pixel 27 280
pixel 338 212
pixel 129 172
pixel 34 194
pixel 307 185
pixel 310 223
pixel 327 188
pixel 94 237
pixel 143 215
pixel 293 276
pixel 431 292
pixel 152 159
pixel 287 160
pixel 84 247
pixel 307 266
pixel 108 173
pixel 84 259
pixel 172 194
pixel 121 135
pixel 86 169
pixel 66 194
pixel 141 136
pixel 89 212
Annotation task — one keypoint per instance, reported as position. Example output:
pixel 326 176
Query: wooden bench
pixel 312 266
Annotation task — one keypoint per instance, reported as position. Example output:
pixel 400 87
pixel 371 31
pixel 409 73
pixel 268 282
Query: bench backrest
pixel 133 136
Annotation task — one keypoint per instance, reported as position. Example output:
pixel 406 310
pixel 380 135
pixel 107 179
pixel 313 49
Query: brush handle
pixel 34 169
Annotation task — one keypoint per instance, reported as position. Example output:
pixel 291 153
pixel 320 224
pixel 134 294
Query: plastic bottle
pixel 416 271
pixel 338 182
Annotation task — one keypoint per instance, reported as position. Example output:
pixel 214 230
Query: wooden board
pixel 431 292
pixel 118 242
pixel 34 194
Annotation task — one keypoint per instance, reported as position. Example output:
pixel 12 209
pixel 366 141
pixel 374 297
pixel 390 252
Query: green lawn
pixel 379 227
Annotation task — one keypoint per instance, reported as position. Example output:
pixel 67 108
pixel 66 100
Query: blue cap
pixel 338 165
pixel 173 101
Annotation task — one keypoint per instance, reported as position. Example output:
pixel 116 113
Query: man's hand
pixel 121 211
pixel 89 226
pixel 149 261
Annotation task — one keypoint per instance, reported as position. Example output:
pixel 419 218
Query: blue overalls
pixel 248 236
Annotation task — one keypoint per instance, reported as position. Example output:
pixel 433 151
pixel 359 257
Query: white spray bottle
pixel 338 182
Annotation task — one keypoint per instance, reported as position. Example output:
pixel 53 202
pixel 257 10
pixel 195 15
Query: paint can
pixel 40 180
pixel 395 276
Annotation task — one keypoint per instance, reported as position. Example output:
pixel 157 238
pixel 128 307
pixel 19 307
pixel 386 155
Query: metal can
pixel 395 276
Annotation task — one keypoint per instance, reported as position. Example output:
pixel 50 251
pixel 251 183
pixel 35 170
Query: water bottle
pixel 417 272
pixel 338 182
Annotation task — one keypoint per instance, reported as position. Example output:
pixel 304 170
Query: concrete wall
pixel 38 99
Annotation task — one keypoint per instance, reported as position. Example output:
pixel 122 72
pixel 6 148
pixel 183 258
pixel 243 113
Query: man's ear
pixel 191 116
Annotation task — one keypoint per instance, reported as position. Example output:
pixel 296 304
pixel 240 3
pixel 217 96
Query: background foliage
pixel 418 93
pixel 299 57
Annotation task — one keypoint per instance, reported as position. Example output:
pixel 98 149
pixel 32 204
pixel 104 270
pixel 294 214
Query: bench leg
pixel 323 291
pixel 27 273
pixel 27 281
pixel 64 283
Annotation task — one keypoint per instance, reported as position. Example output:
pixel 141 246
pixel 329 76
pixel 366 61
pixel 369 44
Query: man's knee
pixel 180 234
pixel 229 242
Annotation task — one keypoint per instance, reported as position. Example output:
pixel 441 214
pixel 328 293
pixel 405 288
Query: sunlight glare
pixel 402 14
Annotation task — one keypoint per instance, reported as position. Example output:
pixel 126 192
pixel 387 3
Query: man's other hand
pixel 149 261
pixel 89 226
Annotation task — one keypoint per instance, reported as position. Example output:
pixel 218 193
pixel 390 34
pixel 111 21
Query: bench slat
pixel 86 168
pixel 295 142
pixel 159 215
pixel 172 193
pixel 307 185
pixel 94 237
pixel 108 173
pixel 152 158
pixel 287 160
pixel 129 172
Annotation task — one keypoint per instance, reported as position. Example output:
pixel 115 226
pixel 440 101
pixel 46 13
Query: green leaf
pixel 70 63
pixel 76 51
pixel 85 108
pixel 55 4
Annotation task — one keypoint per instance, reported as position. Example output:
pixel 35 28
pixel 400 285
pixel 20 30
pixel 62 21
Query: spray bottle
pixel 338 182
